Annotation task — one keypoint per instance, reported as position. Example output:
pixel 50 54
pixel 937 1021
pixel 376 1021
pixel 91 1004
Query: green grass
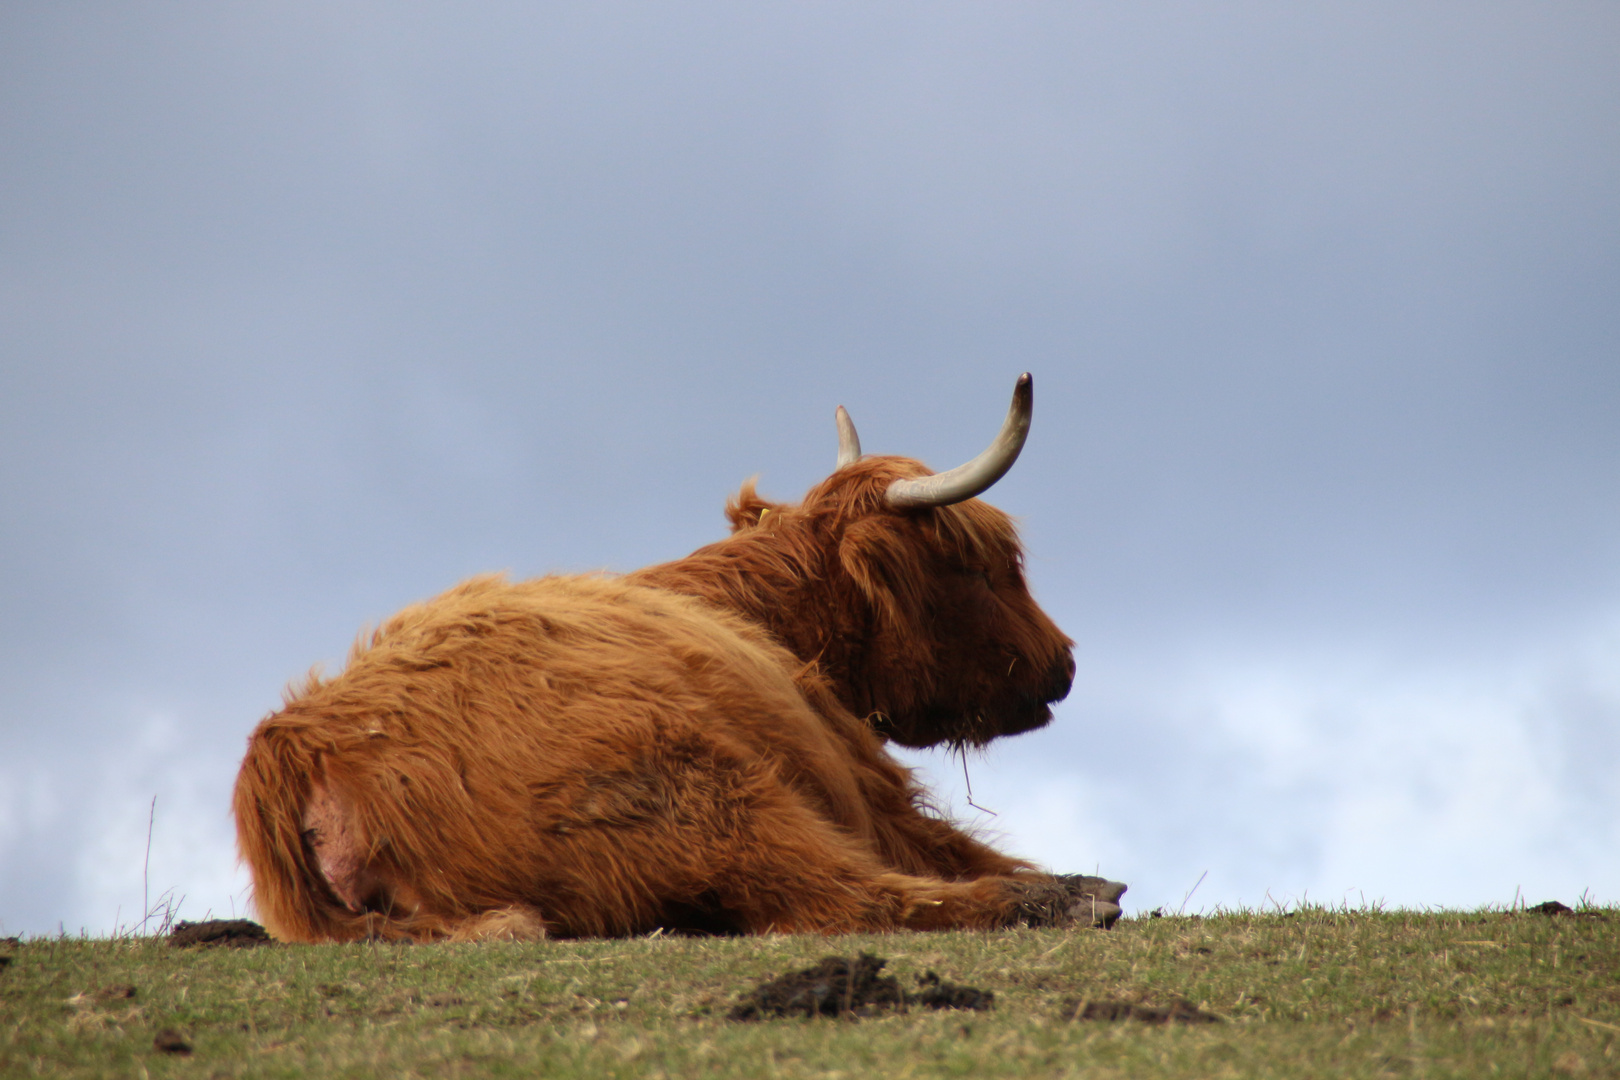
pixel 1312 993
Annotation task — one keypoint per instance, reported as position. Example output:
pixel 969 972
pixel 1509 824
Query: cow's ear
pixel 746 509
pixel 881 563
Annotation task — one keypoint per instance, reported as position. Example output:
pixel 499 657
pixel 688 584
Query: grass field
pixel 1310 993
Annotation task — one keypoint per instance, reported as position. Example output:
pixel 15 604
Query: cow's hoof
pixel 1096 900
pixel 1069 899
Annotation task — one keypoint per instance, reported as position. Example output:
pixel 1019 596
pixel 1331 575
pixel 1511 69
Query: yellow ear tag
pixel 762 514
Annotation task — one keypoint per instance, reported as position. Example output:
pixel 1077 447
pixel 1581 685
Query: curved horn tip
pixel 1023 395
pixel 966 481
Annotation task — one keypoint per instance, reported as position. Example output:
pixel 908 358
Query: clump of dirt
pixel 1554 908
pixel 835 986
pixel 937 993
pixel 236 933
pixel 170 1041
pixel 1182 1012
pixel 838 986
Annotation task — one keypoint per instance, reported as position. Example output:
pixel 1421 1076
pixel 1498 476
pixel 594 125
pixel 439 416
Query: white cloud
pixel 1304 775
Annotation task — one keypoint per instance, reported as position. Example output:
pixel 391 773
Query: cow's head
pixel 912 599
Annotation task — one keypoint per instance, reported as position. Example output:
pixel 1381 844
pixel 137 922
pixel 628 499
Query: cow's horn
pixel 966 481
pixel 849 443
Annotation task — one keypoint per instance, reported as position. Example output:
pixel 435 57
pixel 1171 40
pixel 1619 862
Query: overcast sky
pixel 308 311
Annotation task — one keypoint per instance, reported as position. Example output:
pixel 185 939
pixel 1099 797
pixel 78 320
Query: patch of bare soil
pixel 236 933
pixel 1182 1012
pixel 838 986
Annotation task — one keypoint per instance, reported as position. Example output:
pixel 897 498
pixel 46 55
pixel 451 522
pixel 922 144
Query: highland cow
pixel 696 746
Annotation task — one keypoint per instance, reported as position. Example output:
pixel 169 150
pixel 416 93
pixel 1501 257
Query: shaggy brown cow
pixel 697 745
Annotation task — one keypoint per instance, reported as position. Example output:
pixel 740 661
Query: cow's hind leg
pixel 515 923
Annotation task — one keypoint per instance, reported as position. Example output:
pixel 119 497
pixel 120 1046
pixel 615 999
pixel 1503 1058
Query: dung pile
pixel 239 933
pixel 838 986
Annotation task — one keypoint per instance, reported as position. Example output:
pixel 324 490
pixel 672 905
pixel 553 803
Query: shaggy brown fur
pixel 686 747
